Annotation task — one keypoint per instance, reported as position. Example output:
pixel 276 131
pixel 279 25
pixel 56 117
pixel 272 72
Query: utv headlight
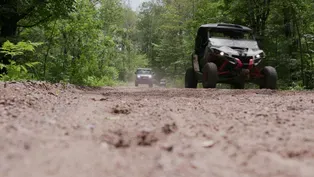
pixel 218 52
pixel 138 76
pixel 149 76
pixel 259 56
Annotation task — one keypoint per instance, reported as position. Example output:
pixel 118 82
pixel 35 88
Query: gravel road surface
pixel 66 131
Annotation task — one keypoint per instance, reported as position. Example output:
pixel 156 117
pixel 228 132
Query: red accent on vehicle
pixel 240 64
pixel 256 73
pixel 251 63
pixel 223 66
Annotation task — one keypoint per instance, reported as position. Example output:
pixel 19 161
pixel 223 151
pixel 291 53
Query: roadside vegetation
pixel 102 42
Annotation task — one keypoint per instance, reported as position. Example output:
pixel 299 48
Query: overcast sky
pixel 136 3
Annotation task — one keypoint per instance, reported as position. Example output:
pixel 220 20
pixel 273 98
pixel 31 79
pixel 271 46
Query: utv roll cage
pixel 203 34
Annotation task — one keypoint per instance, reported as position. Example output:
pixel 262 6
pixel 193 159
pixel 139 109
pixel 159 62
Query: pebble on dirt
pixel 208 144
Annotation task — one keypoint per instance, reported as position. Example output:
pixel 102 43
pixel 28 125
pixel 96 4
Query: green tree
pixel 20 13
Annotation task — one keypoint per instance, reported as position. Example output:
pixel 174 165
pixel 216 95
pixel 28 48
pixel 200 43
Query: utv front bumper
pixel 237 61
pixel 239 66
pixel 234 66
pixel 144 80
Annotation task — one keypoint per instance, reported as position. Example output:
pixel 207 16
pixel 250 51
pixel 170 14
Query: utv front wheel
pixel 269 81
pixel 210 75
pixel 190 79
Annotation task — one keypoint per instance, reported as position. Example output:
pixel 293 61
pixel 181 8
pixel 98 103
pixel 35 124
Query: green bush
pixel 17 69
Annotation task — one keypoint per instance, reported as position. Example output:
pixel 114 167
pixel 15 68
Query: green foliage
pixel 17 70
pixel 296 86
pixel 12 50
pixel 31 12
pixel 94 46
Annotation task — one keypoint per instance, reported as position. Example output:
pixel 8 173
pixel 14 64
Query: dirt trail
pixel 50 130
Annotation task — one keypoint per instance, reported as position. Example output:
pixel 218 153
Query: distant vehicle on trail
pixel 144 76
pixel 162 82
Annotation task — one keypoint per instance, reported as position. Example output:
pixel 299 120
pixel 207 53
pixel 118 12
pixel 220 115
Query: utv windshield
pixel 144 71
pixel 230 34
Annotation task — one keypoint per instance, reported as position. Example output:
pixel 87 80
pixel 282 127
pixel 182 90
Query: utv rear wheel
pixel 210 75
pixel 269 81
pixel 150 85
pixel 190 79
pixel 136 84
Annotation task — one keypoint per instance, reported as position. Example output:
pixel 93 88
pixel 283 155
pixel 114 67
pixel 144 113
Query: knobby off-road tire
pixel 190 79
pixel 150 85
pixel 210 75
pixel 269 81
pixel 136 84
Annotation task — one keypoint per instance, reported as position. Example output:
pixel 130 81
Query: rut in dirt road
pixel 58 130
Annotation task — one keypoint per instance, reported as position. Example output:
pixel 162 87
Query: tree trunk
pixel 8 32
pixel 301 52
pixel 8 27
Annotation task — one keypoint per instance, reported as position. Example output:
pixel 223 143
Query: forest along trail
pixel 51 130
